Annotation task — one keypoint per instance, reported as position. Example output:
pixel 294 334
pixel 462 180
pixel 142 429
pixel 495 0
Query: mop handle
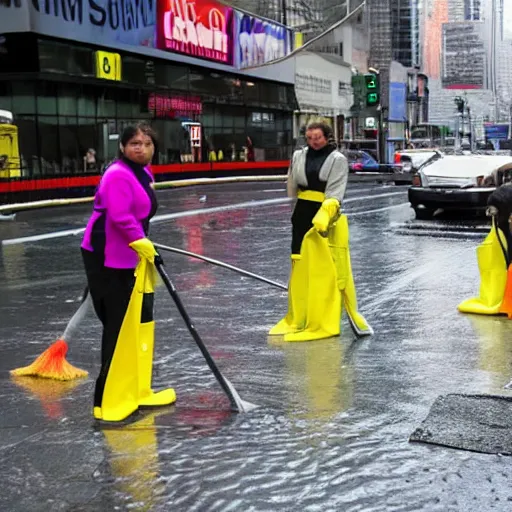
pixel 221 264
pixel 228 388
pixel 77 318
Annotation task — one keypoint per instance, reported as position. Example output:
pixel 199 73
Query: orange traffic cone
pixel 506 304
pixel 52 364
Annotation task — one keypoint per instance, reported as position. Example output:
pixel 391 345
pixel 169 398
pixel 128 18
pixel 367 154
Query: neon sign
pixel 200 28
pixel 174 106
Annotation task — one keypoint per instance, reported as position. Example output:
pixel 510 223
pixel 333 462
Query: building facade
pixel 89 68
pixel 463 56
pixel 322 87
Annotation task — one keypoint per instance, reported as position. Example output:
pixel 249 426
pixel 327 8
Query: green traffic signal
pixel 372 98
pixel 372 89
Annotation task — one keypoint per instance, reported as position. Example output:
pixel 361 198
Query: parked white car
pixel 458 182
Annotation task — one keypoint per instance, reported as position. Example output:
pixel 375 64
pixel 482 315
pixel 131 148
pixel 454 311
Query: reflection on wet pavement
pixel 334 416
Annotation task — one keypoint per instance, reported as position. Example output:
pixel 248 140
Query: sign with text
pixel 397 102
pixel 259 41
pixel 130 22
pixel 199 28
pixel 108 66
pixel 164 106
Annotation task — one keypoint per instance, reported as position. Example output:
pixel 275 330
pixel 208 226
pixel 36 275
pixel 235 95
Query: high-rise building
pixel 394 29
pixel 405 32
pixel 472 10
pixel 435 14
pixel 463 56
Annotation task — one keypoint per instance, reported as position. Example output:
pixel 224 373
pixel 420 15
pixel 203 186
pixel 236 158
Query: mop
pixel 52 363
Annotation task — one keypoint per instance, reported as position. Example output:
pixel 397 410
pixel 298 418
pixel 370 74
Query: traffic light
pixel 372 86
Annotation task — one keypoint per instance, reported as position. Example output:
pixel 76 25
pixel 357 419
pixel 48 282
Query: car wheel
pixel 424 213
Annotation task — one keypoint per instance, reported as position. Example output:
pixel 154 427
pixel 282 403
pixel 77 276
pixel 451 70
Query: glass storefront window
pixel 134 70
pixel 23 98
pixel 252 93
pixel 89 134
pixel 48 129
pixel 70 161
pixel 67 101
pixel 269 94
pixel 53 56
pixel 86 101
pixel 171 76
pixel 5 96
pixel 82 62
pixel 47 98
pixel 29 152
pixel 107 103
pixel 126 106
pixel 206 84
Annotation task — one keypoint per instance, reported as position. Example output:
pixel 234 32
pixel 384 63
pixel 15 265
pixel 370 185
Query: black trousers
pixel 302 221
pixel 111 290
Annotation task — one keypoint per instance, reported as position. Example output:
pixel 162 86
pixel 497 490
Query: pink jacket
pixel 120 206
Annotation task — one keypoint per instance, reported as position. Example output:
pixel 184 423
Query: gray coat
pixel 334 171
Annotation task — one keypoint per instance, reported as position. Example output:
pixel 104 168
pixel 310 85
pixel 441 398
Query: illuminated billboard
pixel 258 41
pixel 199 28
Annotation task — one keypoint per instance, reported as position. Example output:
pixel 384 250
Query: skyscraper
pixel 463 56
pixel 394 30
pixel 472 10
pixel 404 34
pixel 434 15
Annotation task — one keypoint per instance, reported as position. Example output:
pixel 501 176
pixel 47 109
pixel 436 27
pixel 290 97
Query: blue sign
pixel 397 102
pixel 258 41
pixel 496 131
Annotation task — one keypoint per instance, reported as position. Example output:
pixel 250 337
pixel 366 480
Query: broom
pixel 52 364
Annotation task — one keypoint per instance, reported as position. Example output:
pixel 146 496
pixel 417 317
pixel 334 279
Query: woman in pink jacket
pixel 116 237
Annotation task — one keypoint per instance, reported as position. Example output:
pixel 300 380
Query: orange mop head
pixel 52 364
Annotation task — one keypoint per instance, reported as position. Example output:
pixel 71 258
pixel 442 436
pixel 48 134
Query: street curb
pixel 9 209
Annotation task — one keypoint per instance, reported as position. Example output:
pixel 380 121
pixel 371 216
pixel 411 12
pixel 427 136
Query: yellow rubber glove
pixel 328 213
pixel 145 249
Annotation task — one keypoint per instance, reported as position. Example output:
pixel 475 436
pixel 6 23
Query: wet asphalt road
pixel 331 430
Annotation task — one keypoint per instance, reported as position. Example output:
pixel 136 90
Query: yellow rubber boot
pixel 128 383
pixel 340 250
pixel 319 286
pixel 295 319
pixel 147 397
pixel 493 276
pixel 146 344
pixel 121 392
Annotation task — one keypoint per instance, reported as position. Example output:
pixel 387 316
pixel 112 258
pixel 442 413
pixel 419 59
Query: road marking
pixel 188 213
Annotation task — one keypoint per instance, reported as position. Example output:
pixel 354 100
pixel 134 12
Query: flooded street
pixel 333 420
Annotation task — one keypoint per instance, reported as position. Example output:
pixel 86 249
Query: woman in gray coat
pixel 321 279
pixel 318 168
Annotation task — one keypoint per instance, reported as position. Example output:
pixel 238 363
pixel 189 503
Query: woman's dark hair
pixel 130 131
pixel 326 130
